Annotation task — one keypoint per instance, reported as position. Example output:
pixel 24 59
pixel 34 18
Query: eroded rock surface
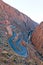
pixel 37 38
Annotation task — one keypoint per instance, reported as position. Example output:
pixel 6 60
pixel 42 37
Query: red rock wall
pixel 37 38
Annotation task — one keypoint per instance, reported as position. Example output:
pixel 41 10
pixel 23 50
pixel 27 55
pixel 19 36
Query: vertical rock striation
pixel 37 38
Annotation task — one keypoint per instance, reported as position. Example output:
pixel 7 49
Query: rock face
pixel 37 38
pixel 14 16
pixel 13 20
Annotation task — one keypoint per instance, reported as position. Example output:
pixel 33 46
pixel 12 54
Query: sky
pixel 32 8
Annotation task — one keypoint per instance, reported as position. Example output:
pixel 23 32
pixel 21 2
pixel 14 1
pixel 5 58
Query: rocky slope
pixel 10 17
pixel 13 15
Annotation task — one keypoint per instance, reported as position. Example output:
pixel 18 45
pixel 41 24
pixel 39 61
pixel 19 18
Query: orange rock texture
pixel 37 38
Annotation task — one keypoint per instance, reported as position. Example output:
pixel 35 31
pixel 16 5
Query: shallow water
pixel 17 47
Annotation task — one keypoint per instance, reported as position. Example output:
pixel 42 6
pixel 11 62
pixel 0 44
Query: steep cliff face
pixel 37 38
pixel 14 16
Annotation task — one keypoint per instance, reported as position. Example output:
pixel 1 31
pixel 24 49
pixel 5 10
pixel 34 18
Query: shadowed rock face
pixel 37 38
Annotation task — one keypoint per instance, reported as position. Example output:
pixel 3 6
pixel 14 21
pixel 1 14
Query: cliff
pixel 11 20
